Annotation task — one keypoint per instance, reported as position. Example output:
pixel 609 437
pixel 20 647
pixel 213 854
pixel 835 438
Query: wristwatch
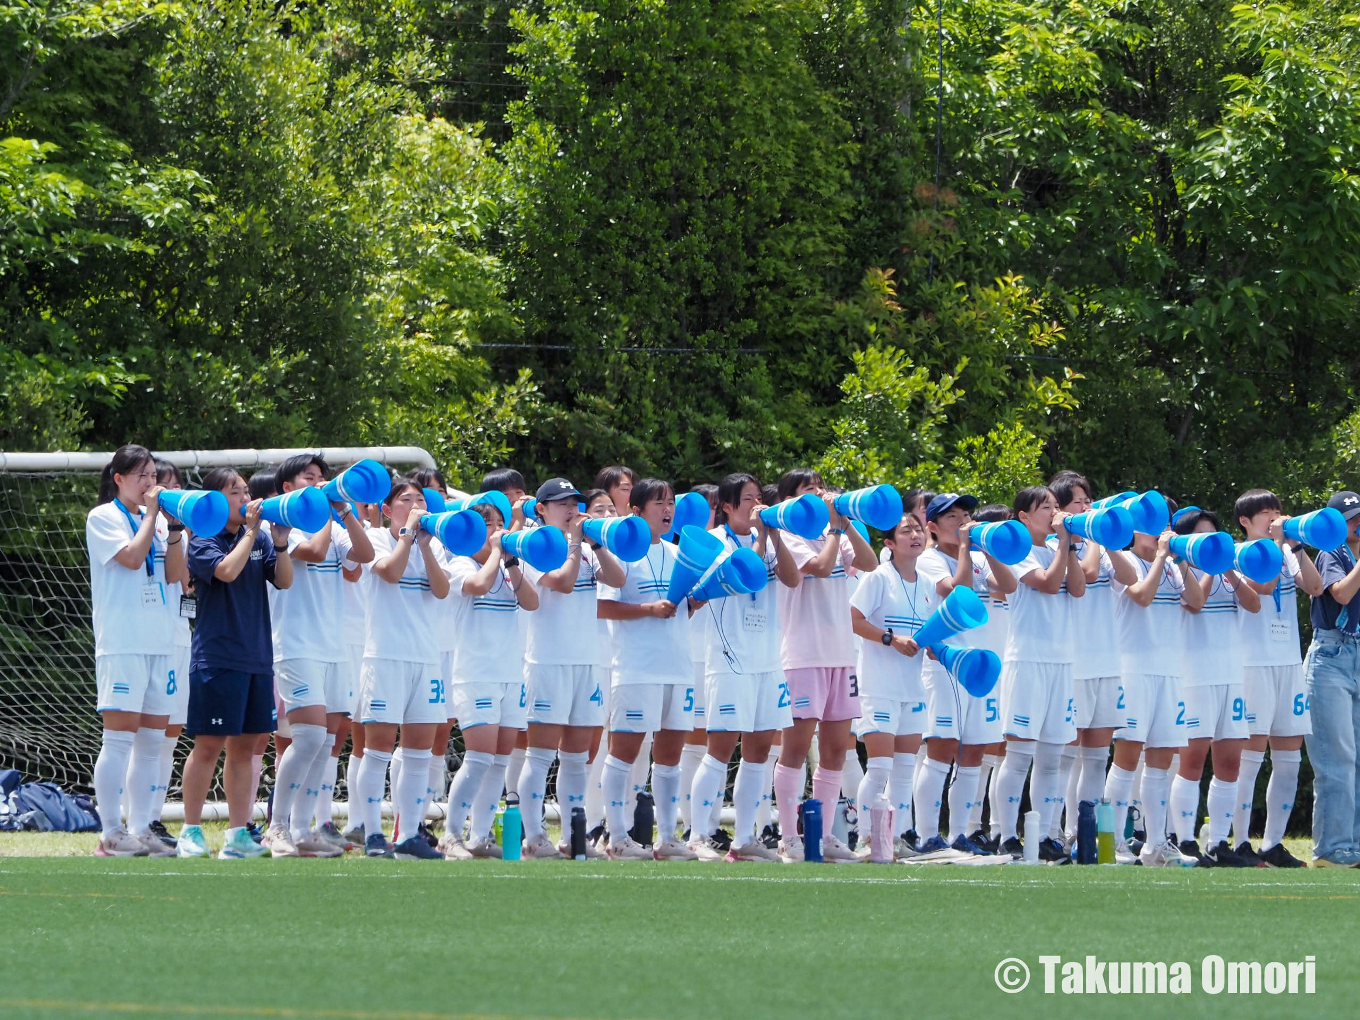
pixel 887 637
pixel 403 532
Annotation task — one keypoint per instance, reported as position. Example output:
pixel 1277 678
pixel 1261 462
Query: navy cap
pixel 556 488
pixel 946 501
pixel 1347 502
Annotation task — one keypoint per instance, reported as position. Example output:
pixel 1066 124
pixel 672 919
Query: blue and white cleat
pixel 240 846
pixel 191 842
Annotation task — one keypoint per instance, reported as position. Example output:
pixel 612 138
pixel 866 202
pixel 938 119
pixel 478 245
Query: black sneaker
pixel 1278 857
pixel 1014 847
pixel 852 838
pixel 722 839
pixel 1136 846
pixel 1222 856
pixel 1053 852
pixel 1190 848
pixel 255 832
pixel 416 849
pixel 965 845
pixel 596 834
pixel 1250 857
pixel 769 836
pixel 429 837
pixel 159 830
pixel 980 838
pixel 912 839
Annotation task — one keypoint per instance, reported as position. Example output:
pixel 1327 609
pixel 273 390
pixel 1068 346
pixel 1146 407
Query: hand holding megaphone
pixel 663 609
pixel 905 645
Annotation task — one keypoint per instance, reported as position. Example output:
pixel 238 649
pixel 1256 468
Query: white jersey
pixel 890 601
pixel 304 614
pixel 1040 623
pixel 1213 644
pixel 816 615
pixel 650 650
pixel 487 646
pixel 129 606
pixel 741 632
pixel 564 630
pixel 1095 630
pixel 402 617
pixel 1271 637
pixel 1151 641
pixel 935 565
pixel 354 601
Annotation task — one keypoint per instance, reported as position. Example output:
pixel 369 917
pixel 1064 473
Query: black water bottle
pixel 1086 832
pixel 578 833
pixel 644 820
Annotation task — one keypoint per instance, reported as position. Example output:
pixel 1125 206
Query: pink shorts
pixel 824 692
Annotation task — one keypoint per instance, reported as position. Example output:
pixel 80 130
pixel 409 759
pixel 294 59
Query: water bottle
pixel 1105 832
pixel 1086 832
pixel 578 833
pixel 497 822
pixel 881 831
pixel 812 830
pixel 644 820
pixel 1032 837
pixel 512 829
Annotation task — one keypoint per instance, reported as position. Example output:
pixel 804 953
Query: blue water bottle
pixel 812 830
pixel 512 829
pixel 1086 832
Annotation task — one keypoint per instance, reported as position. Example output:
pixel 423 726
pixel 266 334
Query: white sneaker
pixel 626 850
pixel 486 848
pixel 1165 855
pixel 315 845
pixel 791 849
pixel 540 848
pixel 331 834
pixel 453 848
pixel 155 846
pixel 902 850
pixel 280 842
pixel 836 852
pixel 752 851
pixel 121 843
pixel 673 850
pixel 705 849
pixel 1123 855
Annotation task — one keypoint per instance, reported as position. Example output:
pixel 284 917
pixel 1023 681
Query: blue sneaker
pixel 965 845
pixel 256 833
pixel 376 845
pixel 191 842
pixel 934 844
pixel 239 846
pixel 416 849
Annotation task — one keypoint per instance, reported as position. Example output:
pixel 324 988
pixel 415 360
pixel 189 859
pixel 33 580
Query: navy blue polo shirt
pixel 1326 612
pixel 232 629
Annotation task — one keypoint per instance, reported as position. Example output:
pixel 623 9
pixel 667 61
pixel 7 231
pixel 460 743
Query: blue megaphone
pixel 435 503
pixel 859 526
pixel 1111 526
pixel 1260 560
pixel 1323 529
pixel 1150 513
pixel 691 508
pixel 530 508
pixel 962 610
pixel 204 512
pixel 805 516
pixel 696 552
pixel 1211 553
pixel 1007 541
pixel 879 506
pixel 628 538
pixel 975 669
pixel 305 509
pixel 741 573
pixel 366 481
pixel 461 532
pixel 1109 501
pixel 543 548
pixel 495 497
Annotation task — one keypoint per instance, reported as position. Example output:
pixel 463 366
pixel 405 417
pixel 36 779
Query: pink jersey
pixel 814 618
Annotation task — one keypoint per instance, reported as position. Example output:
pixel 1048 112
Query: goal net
pixel 49 729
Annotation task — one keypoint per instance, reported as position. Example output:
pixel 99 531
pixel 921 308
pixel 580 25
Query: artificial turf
pixel 383 940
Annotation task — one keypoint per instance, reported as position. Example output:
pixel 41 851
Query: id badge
pixel 188 607
pixel 753 619
pixel 1279 630
pixel 151 594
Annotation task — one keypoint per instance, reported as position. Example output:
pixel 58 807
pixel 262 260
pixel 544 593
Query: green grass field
pixel 354 939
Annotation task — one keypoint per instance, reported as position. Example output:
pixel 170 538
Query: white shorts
pixel 179 667
pixel 394 691
pixel 646 708
pixel 1097 703
pixel 749 704
pixel 1218 712
pixel 490 704
pixel 954 714
pixel 888 715
pixel 446 671
pixel 136 683
pixel 1277 701
pixel 1038 702
pixel 566 695
pixel 701 697
pixel 302 683
pixel 1152 710
pixel 354 660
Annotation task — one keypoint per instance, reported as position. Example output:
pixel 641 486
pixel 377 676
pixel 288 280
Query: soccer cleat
pixel 377 846
pixel 770 836
pixel 334 837
pixel 280 842
pixel 628 849
pixel 1338 859
pixel 1164 855
pixel 906 846
pixel 120 843
pixel 356 835
pixel 453 848
pixel 486 848
pixel 423 831
pixel 673 850
pixel 540 848
pixel 155 846
pixel 723 838
pixel 791 849
pixel 191 842
pixel 836 852
pixel 706 850
pixel 1013 847
pixel 1190 848
pixel 1249 855
pixel 1053 852
pixel 1222 856
pixel 315 845
pixel 240 846
pixel 965 845
pixel 934 845
pixel 755 850
pixel 1124 855
pixel 415 848
pixel 980 838
pixel 1278 857
pixel 596 834
pixel 158 828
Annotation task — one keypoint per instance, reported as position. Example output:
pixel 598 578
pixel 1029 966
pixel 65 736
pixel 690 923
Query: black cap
pixel 556 488
pixel 1347 502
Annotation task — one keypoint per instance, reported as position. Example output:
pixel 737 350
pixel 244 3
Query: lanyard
pixel 737 542
pixel 135 523
pixel 910 600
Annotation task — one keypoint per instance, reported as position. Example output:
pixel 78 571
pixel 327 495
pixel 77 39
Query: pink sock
pixel 788 791
pixel 826 787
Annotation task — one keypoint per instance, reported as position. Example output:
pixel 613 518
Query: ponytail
pixel 126 459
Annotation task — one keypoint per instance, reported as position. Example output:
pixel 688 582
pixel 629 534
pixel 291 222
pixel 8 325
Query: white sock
pixel 1118 791
pixel 1047 786
pixel 852 772
pixel 572 769
pixel 1222 805
pixel 167 771
pixel 1136 797
pixel 989 762
pixel 438 784
pixel 993 799
pixel 595 792
pixel 1284 782
pixel 1010 785
pixel 533 787
pixel 690 757
pixel 637 774
pixel 352 802
pixel 961 793
pixel 516 768
pixel 325 804
pixel 488 799
pixel 766 811
pixel 1068 777
pixel 367 790
pixel 144 776
pixel 930 779
pixel 110 776
pixel 872 785
pixel 1156 792
pixel 666 792
pixel 409 796
pixel 466 788
pixel 290 779
pixel 394 771
pixel 616 797
pixel 747 791
pixel 707 795
pixel 1246 793
pixel 1092 786
pixel 900 791
pixel 305 806
pixel 1184 807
